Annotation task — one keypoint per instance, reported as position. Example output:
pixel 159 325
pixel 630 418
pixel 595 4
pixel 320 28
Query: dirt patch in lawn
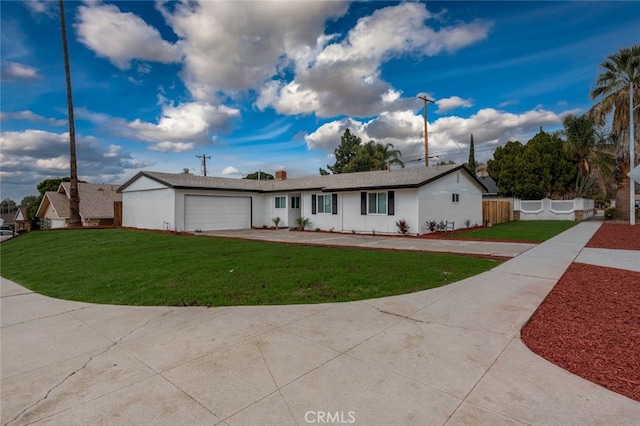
pixel 616 236
pixel 589 324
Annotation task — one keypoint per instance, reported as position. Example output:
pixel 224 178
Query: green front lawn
pixel 532 231
pixel 116 266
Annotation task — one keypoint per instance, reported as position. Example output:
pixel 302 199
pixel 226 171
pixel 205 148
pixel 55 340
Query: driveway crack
pixel 73 373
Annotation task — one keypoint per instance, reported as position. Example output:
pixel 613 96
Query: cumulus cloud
pixel 344 78
pixel 30 156
pixel 47 7
pixel 447 104
pixel 122 37
pixel 230 170
pixel 14 71
pixel 191 121
pixel 233 46
pixel 448 136
pixel 30 116
pixel 171 147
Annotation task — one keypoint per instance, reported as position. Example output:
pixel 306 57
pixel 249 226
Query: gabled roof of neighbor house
pixel 96 200
pixel 490 184
pixel 58 201
pixel 385 179
pixel 8 218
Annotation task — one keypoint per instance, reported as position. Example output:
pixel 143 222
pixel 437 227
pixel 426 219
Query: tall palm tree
pixel 619 71
pixel 74 202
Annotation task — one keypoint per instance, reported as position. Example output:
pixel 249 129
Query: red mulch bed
pixel 616 236
pixel 589 324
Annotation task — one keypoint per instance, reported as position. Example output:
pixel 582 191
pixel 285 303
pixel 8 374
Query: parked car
pixel 5 232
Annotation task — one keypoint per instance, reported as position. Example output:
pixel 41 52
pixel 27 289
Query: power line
pixel 203 159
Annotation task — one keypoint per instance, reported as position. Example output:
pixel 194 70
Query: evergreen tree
pixel 471 163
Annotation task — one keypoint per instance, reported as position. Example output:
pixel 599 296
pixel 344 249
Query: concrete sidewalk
pixel 488 248
pixel 450 355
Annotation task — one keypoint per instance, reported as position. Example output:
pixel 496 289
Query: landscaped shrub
pixel 431 225
pixel 403 226
pixel 303 222
pixel 276 221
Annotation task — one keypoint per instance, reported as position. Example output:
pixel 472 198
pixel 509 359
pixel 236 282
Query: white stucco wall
pixel 149 209
pixel 435 201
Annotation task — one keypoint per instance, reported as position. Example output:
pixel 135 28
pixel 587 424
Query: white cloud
pixel 30 156
pixel 230 171
pixel 31 116
pixel 453 102
pixel 171 147
pixel 448 136
pixel 232 46
pixel 13 71
pixel 344 78
pixel 47 7
pixel 122 37
pixel 191 122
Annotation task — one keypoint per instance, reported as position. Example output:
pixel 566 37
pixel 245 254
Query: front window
pixel 377 203
pixel 281 202
pixel 295 202
pixel 455 198
pixel 324 203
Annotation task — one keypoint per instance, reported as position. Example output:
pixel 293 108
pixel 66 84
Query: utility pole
pixel 203 159
pixel 426 135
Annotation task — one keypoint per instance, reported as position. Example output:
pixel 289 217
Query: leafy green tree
pixel 354 156
pixel 471 162
pixel 28 200
pixel 259 175
pixel 8 206
pixel 619 70
pixel 373 156
pixel 541 168
pixel 345 152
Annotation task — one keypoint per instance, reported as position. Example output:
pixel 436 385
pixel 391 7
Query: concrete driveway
pixel 450 355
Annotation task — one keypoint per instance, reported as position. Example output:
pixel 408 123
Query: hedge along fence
pixel 578 209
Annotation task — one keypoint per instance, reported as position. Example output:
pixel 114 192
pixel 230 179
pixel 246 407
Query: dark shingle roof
pixel 401 178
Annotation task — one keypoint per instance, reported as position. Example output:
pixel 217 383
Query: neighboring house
pixel 7 219
pixel 490 184
pixel 22 223
pixel 366 202
pixel 96 205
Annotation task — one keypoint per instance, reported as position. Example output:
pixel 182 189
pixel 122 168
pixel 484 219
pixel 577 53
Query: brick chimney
pixel 281 175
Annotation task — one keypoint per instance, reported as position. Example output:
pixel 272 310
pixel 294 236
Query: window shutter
pixel 391 201
pixel 313 204
pixel 334 203
pixel 363 203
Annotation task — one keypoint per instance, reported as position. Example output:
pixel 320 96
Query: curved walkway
pixel 450 355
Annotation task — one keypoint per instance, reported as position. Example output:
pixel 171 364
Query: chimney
pixel 281 174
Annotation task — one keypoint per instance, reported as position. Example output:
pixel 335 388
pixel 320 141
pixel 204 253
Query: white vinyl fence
pixel 577 209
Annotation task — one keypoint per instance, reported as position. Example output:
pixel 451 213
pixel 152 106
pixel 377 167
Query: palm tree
pixel 591 148
pixel 373 156
pixel 620 71
pixel 74 202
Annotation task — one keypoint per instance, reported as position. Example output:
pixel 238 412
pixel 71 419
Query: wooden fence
pixel 495 211
pixel 117 213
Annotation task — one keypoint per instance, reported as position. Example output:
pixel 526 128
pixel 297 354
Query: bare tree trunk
pixel 622 194
pixel 74 202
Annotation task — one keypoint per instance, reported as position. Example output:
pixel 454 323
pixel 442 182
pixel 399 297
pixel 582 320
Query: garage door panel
pixel 212 213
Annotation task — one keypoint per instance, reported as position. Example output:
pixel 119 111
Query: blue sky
pixel 267 85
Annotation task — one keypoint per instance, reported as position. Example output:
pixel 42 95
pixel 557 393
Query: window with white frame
pixel 295 202
pixel 324 203
pixel 455 198
pixel 281 202
pixel 377 203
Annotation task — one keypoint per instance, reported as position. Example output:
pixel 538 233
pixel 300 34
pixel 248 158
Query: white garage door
pixel 209 213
